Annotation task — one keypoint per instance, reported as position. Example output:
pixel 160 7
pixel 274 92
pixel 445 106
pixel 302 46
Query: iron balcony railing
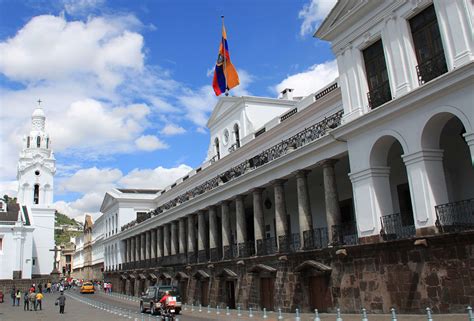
pixel 192 257
pixel 394 227
pixel 246 249
pixel 267 246
pixel 345 234
pixel 455 216
pixel 202 256
pixel 228 253
pixel 379 95
pixel 431 68
pixel 316 238
pixel 289 243
pixel 214 254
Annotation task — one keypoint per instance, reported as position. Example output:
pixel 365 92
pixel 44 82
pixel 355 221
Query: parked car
pixel 150 300
pixel 87 287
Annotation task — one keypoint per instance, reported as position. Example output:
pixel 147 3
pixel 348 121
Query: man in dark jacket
pixel 13 295
pixel 26 301
pixel 61 300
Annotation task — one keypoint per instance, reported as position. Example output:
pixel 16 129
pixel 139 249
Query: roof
pixel 311 264
pixel 138 191
pixel 11 215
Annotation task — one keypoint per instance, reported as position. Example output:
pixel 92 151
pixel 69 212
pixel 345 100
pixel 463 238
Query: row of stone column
pixel 179 236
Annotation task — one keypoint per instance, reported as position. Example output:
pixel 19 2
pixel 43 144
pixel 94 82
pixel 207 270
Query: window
pixel 237 135
pixel 377 76
pixel 38 141
pixel 28 142
pixel 36 194
pixel 1 244
pixel 47 143
pixel 428 47
pixel 33 262
pixel 218 153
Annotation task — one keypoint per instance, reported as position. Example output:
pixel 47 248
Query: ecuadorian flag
pixel 225 75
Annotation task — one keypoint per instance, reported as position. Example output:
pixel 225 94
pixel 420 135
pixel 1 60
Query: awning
pixel 200 274
pixel 165 275
pixel 311 264
pixel 141 276
pixel 152 276
pixel 227 273
pixel 123 277
pixel 181 275
pixel 262 268
pixel 132 276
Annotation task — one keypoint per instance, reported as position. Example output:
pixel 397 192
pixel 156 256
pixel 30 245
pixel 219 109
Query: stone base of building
pixel 375 276
pixel 23 284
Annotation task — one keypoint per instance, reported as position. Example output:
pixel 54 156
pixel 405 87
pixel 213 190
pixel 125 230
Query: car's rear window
pixel 87 283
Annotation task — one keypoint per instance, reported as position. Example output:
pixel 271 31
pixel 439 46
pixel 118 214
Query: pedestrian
pixel 18 297
pixel 39 299
pixel 26 303
pixel 12 295
pixel 32 297
pixel 48 286
pixel 61 300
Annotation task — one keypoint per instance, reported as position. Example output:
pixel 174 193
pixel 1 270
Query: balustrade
pixel 316 238
pixel 394 227
pixel 267 246
pixel 455 216
pixel 345 234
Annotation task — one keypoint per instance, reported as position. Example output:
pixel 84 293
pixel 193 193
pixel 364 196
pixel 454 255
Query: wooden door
pixel 320 296
pixel 204 292
pixel 183 290
pixel 266 293
pixel 230 294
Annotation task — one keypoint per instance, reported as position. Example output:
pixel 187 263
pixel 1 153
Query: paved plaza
pixel 112 307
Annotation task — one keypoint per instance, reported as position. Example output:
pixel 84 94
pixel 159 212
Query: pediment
pixel 108 201
pixel 338 14
pixel 222 106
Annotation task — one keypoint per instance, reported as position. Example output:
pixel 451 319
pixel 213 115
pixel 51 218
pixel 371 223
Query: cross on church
pixel 55 268
pixel 39 102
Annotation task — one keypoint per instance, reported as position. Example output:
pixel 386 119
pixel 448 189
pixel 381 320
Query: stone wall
pixel 437 272
pixel 24 284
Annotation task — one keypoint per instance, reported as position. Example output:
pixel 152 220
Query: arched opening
pixel 38 141
pixel 237 135
pixel 445 132
pixel 36 194
pixel 392 189
pixel 47 143
pixel 28 142
pixel 216 144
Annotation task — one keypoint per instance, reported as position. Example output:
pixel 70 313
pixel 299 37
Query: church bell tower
pixel 37 165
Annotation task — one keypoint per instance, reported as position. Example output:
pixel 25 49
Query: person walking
pixel 61 300
pixel 32 297
pixel 39 299
pixel 12 295
pixel 18 297
pixel 26 302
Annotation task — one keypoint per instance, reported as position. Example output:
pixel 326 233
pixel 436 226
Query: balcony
pixel 316 238
pixel 192 258
pixel 379 95
pixel 395 227
pixel 289 243
pixel 455 217
pixel 202 256
pixel 267 246
pixel 431 68
pixel 246 249
pixel 345 234
pixel 215 254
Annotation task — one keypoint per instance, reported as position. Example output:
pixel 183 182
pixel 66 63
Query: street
pixel 100 306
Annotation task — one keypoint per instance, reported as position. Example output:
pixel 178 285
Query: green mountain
pixel 65 228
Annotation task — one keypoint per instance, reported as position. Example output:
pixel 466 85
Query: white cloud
pixel 312 14
pixel 159 177
pixel 172 129
pixel 90 180
pixel 311 80
pixel 150 143
pixel 81 6
pixel 199 104
pixel 9 188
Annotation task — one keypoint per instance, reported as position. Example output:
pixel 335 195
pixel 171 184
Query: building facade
pixel 359 195
pixel 27 228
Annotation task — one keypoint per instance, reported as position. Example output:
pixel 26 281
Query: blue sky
pixel 126 84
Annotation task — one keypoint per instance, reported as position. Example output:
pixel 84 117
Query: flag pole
pixel 224 56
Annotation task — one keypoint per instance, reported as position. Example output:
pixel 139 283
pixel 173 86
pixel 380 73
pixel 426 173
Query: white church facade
pixel 27 228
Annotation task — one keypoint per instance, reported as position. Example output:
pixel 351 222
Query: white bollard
pixel 469 313
pixel 394 314
pixel 250 313
pixel 200 307
pixel 217 310
pixel 280 316
pixel 192 307
pixel 297 317
pixel 364 315
pixel 265 316
pixel 208 309
pixel 316 315
pixel 227 311
pixel 239 314
pixel 338 316
pixel 428 314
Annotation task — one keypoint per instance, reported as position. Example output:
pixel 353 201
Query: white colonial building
pixel 358 195
pixel 27 228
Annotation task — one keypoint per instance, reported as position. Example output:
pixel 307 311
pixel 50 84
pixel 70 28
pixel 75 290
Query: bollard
pixel 129 314
pixel 297 317
pixel 280 317
pixel 217 310
pixel 469 313
pixel 394 314
pixel 364 315
pixel 316 315
pixel 227 311
pixel 428 314
pixel 192 307
pixel 200 307
pixel 250 313
pixel 208 309
pixel 239 314
pixel 265 313
pixel 184 308
pixel 338 317
pixel 143 316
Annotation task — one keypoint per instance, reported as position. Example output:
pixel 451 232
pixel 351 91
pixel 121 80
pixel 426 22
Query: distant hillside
pixel 65 228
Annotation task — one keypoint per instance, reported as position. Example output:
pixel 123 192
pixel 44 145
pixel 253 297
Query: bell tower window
pixel 28 142
pixel 36 194
pixel 237 135
pixel 47 143
pixel 218 152
pixel 38 141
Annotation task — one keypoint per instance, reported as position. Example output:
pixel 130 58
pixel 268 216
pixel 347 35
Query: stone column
pixel 153 244
pixel 241 224
pixel 333 212
pixel 174 238
pixel 304 207
pixel 212 227
pixel 469 137
pixel 160 249
pixel 132 249
pixel 191 234
pixel 258 217
pixel 182 235
pixel 147 245
pixel 202 231
pixel 137 248
pixel 280 209
pixel 129 250
pixel 142 246
pixel 167 240
pixel 225 223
